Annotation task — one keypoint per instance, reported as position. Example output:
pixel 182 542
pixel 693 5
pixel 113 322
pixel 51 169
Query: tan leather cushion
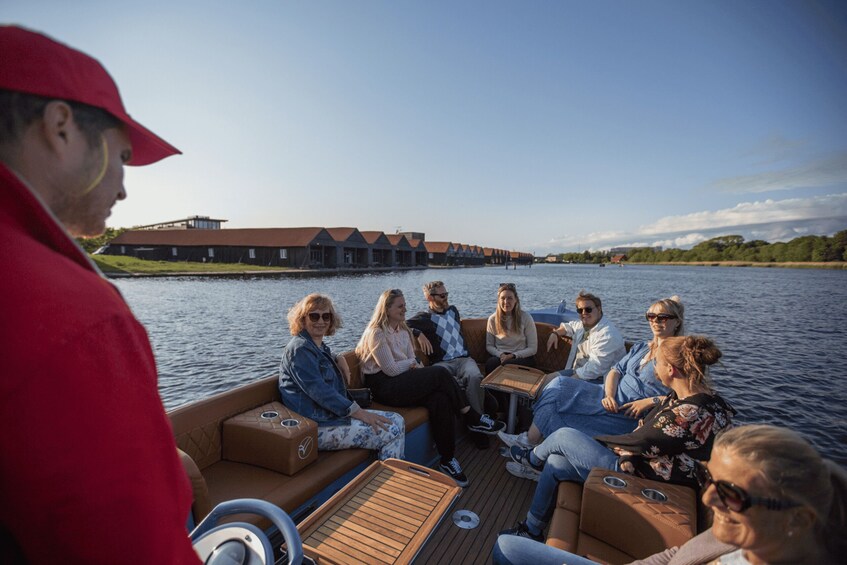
pixel 271 436
pixel 624 518
pixel 601 552
pixel 201 504
pixel 473 330
pixel 229 480
pixel 555 359
pixel 197 427
pixel 564 526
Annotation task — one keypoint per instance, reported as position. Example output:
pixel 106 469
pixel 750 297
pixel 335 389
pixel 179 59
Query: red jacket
pixel 88 466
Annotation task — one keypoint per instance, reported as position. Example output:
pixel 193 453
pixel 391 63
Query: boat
pixel 243 445
pixel 555 315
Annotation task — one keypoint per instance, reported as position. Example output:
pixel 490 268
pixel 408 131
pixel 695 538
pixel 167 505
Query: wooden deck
pixel 498 498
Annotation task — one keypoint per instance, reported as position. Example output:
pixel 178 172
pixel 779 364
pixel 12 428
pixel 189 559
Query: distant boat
pixel 602 264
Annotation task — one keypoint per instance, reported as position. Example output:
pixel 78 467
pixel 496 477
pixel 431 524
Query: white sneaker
pixel 520 439
pixel 521 471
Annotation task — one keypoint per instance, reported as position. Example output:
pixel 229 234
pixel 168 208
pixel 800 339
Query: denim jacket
pixel 311 383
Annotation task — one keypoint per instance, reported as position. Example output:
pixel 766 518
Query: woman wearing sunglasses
pixel 510 336
pixel 312 383
pixel 397 378
pixel 775 500
pixel 675 433
pixel 629 389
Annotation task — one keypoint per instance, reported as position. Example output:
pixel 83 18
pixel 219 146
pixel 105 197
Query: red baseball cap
pixel 35 64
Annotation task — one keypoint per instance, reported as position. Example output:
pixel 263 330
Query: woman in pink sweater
pixel 397 378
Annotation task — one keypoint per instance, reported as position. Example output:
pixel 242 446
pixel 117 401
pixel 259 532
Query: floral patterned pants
pixel 390 442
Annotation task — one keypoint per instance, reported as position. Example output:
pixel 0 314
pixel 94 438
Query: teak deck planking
pixel 384 516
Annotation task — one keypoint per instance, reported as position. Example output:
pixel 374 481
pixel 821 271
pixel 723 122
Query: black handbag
pixel 362 396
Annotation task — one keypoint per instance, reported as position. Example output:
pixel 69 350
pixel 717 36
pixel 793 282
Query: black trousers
pixel 494 362
pixel 432 387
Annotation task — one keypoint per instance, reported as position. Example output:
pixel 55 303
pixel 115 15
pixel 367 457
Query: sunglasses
pixel 507 286
pixel 315 316
pixel 439 295
pixel 587 310
pixel 659 317
pixel 736 498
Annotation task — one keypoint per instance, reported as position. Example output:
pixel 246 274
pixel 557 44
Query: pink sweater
pixel 391 352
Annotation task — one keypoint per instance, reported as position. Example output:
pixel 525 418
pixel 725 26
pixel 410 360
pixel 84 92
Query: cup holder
pixel 654 495
pixel 269 415
pixel 290 423
pixel 614 482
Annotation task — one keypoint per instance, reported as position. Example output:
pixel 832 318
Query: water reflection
pixel 781 330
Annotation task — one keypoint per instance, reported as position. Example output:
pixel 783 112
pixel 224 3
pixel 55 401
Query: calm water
pixel 783 332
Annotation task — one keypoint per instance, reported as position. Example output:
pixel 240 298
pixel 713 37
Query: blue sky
pixel 537 126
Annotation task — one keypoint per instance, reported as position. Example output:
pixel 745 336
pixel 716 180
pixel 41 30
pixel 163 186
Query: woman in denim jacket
pixel 311 382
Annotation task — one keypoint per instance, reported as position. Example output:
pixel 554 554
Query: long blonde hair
pixel 500 316
pixel 379 321
pixel 672 305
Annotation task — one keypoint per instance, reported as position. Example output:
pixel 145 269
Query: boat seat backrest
pixel 473 330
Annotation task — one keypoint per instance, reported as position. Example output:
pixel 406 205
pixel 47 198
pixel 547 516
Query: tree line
pixel 92 244
pixel 809 248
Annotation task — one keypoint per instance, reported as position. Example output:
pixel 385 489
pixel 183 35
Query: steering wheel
pixel 240 543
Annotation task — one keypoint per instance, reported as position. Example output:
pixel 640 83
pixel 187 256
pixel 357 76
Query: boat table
pixel 516 380
pixel 385 515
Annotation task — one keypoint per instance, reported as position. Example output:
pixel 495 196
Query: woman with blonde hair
pixel 312 383
pixel 774 499
pixel 397 378
pixel 676 433
pixel 629 389
pixel 510 335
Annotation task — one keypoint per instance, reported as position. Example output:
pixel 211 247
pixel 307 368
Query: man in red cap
pixel 89 471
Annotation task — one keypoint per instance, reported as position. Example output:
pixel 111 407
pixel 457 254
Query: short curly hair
pixel 298 312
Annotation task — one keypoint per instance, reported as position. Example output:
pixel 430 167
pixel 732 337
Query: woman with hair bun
pixel 775 500
pixel 675 434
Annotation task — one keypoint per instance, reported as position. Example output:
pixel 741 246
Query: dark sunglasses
pixel 736 498
pixel 507 286
pixel 660 317
pixel 315 316
pixel 439 295
pixel 587 310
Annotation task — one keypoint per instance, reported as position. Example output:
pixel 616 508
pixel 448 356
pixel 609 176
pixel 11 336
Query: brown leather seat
pixel 620 524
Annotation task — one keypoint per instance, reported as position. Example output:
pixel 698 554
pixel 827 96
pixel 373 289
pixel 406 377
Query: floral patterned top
pixel 672 436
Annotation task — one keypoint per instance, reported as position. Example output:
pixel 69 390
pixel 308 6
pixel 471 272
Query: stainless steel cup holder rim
pixel 614 482
pixel 269 415
pixel 654 495
pixel 290 423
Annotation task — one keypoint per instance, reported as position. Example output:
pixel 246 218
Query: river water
pixel 783 332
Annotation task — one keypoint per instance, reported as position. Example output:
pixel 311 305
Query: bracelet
pixel 656 400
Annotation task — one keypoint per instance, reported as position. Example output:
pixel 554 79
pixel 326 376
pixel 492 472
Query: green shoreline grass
pixel 121 265
pixel 118 265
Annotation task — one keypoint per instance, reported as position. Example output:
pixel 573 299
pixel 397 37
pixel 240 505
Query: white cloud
pixel 751 213
pixel 823 172
pixel 770 220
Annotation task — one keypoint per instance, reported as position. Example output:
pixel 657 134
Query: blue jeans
pixel 514 550
pixel 569 455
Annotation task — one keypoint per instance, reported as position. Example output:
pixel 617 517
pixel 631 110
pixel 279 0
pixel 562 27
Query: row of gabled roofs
pixel 302 237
